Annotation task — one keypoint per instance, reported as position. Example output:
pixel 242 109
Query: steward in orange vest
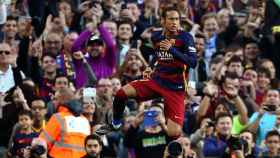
pixel 66 131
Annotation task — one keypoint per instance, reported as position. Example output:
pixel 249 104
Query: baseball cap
pixel 95 39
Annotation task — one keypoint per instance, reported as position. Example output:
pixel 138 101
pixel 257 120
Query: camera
pixel 37 150
pixel 210 124
pixel 234 143
pixel 9 96
pixel 134 44
pixel 124 6
pixel 270 107
pixel 174 149
pixel 244 145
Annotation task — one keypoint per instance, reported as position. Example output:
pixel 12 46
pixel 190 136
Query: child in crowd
pixel 23 137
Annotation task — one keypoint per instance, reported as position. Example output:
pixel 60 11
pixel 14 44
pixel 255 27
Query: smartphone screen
pixel 89 92
pixel 149 118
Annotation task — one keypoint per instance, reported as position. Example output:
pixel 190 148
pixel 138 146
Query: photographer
pixel 150 139
pixel 206 130
pixel 250 149
pixel 223 144
pixel 186 145
pixel 263 121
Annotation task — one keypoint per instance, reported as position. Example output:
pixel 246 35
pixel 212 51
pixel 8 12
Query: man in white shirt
pixel 9 77
pixel 6 72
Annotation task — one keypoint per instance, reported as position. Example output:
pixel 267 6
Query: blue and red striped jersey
pixel 21 141
pixel 172 66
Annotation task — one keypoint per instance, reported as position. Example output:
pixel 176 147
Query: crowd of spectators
pixel 80 52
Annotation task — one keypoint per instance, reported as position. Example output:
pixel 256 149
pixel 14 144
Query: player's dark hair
pixel 169 9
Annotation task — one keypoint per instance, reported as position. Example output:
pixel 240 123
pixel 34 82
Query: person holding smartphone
pixel 265 119
pixel 151 140
pixel 205 130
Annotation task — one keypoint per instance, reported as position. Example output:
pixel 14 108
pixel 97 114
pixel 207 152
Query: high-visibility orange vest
pixel 65 134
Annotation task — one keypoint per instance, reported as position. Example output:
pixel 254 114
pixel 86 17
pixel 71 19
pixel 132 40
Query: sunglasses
pixel 5 52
